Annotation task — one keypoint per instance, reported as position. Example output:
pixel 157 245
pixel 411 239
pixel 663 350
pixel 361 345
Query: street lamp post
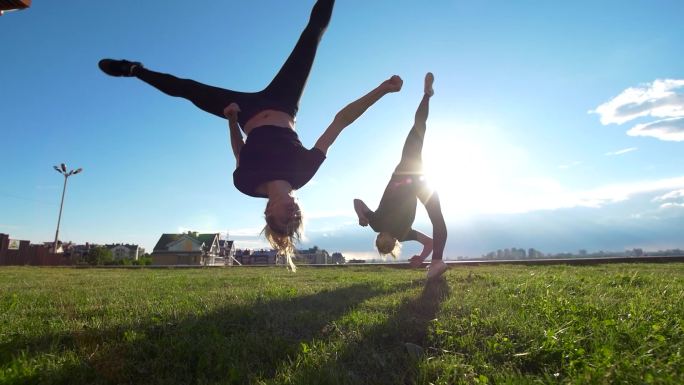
pixel 62 169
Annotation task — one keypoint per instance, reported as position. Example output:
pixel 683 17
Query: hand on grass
pixel 416 261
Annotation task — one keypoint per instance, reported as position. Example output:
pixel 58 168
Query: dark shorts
pixel 275 153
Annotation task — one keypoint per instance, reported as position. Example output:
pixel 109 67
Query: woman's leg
pixel 411 156
pixel 208 98
pixel 287 86
pixel 284 91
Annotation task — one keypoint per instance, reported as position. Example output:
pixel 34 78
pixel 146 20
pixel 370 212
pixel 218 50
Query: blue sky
pixel 554 126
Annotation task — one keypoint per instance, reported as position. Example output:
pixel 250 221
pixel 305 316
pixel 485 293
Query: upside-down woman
pixel 272 163
pixel 397 209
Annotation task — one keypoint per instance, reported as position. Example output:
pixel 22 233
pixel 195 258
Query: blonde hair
pixel 283 240
pixel 387 244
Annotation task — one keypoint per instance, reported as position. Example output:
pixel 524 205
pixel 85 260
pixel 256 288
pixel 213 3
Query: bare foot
pixel 429 79
pixel 436 269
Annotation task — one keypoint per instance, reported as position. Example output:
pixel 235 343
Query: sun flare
pixel 462 171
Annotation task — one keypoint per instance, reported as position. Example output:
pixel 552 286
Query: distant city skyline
pixel 554 126
pixel 502 253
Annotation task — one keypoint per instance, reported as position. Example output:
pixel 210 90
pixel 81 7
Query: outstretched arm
pixel 352 111
pixel 361 210
pixel 236 140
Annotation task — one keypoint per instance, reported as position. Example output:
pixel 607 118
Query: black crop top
pixel 275 153
pixel 397 208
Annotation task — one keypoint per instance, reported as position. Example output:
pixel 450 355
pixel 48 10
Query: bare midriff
pixel 269 118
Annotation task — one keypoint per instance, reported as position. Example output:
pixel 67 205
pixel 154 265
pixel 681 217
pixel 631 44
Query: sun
pixel 462 171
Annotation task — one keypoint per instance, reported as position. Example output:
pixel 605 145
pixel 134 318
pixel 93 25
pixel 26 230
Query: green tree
pixel 144 260
pixel 99 255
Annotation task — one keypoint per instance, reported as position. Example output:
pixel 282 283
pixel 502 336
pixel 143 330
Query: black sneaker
pixel 118 67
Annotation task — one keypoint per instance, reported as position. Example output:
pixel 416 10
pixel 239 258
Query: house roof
pixel 7 5
pixel 166 239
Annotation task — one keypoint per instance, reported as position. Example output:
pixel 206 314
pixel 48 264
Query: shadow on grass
pixel 236 344
pixel 388 353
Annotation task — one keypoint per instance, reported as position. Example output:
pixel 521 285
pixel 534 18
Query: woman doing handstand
pixel 272 163
pixel 397 210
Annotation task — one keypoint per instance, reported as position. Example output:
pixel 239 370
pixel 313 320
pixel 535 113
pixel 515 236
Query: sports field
pixel 607 324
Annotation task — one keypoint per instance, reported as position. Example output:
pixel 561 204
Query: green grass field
pixel 609 324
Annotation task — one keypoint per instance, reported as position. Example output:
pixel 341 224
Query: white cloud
pixel 247 238
pixel 658 99
pixel 661 212
pixel 245 232
pixel 662 99
pixel 671 195
pixel 547 194
pixel 621 152
pixel 250 244
pixel 671 129
pixel 364 255
pixel 671 205
pixel 621 192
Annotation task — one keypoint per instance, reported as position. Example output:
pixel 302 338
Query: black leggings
pixel 282 94
pixel 412 155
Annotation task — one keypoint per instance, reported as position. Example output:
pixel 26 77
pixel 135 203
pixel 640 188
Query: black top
pixel 275 153
pixel 397 208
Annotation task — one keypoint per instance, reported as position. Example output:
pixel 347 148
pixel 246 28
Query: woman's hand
pixel 392 84
pixel 231 112
pixel 416 261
